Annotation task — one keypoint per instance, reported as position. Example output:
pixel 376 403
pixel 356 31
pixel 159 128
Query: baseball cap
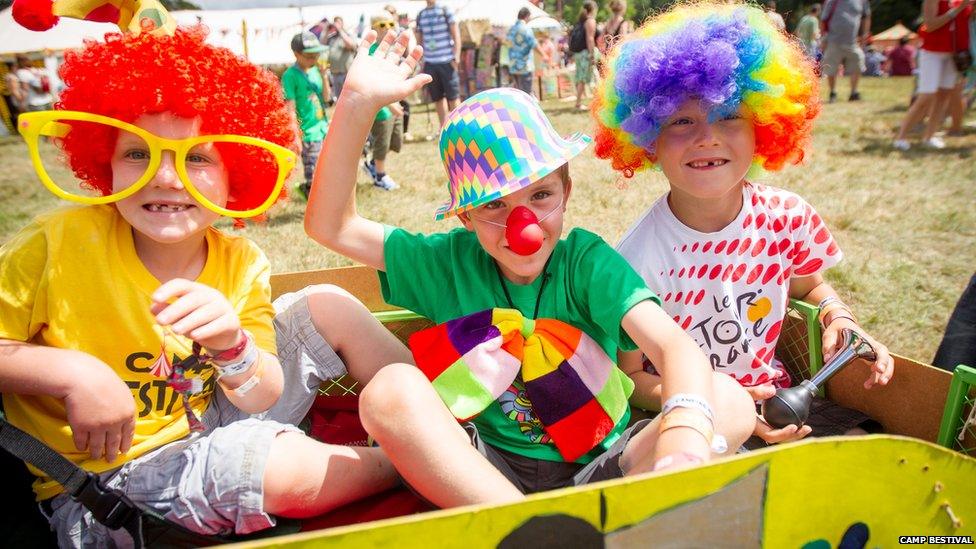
pixel 306 42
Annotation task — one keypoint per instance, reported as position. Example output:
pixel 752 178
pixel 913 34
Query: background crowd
pixel 551 61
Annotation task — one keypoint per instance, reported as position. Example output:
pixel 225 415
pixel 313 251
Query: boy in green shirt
pixel 307 91
pixel 509 188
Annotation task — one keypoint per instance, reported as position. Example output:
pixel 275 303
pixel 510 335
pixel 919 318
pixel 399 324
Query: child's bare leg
pixel 916 113
pixel 305 478
pixel 735 419
pixel 362 343
pixel 441 106
pixel 430 450
pixel 937 114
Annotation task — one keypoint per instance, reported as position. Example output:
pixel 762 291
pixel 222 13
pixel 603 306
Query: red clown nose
pixel 523 232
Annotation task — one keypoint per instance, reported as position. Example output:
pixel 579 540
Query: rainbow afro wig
pixel 130 75
pixel 729 57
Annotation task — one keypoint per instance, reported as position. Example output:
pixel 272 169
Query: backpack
pixel 577 38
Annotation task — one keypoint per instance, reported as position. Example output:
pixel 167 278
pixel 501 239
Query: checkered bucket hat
pixel 497 142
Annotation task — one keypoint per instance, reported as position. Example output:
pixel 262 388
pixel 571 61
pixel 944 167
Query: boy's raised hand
pixel 198 312
pixel 385 76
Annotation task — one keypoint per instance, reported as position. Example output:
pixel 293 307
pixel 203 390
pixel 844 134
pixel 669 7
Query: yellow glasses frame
pixel 33 125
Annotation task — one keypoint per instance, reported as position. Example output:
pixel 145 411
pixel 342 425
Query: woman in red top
pixel 945 29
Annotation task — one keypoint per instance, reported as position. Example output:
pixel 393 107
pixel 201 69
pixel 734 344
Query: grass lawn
pixel 905 221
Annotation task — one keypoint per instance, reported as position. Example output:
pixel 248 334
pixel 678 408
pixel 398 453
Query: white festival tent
pixel 268 30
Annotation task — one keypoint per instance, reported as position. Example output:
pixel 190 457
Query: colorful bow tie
pixel 576 390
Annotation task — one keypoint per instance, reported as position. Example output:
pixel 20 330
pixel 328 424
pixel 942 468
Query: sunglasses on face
pixel 200 162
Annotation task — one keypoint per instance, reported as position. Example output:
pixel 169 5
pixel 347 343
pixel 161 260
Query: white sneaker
pixel 386 183
pixel 901 144
pixel 934 142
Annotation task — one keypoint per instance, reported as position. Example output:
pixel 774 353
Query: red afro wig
pixel 128 76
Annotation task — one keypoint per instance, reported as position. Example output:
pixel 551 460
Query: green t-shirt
pixel 385 113
pixel 305 89
pixel 590 286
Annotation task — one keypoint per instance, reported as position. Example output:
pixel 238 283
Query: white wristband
pixel 248 357
pixel 688 400
pixel 244 388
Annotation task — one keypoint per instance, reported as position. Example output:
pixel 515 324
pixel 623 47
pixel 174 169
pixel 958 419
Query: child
pixel 387 132
pixel 712 95
pixel 308 93
pixel 505 161
pixel 97 300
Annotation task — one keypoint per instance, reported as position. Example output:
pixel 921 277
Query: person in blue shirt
pixel 521 42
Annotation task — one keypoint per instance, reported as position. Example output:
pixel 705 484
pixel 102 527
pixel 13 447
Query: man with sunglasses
pixel 307 91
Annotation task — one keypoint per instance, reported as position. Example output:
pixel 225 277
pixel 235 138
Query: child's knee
pixel 395 392
pixel 331 307
pixel 330 296
pixel 731 396
pixel 735 411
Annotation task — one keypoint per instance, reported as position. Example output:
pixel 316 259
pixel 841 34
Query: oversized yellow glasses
pixel 122 158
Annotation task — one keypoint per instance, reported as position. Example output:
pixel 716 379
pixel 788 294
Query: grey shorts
pixel 850 55
pixel 212 482
pixel 387 136
pixel 535 475
pixel 310 156
pixel 338 80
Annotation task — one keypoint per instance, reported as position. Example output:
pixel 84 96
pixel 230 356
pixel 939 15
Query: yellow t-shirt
pixel 72 280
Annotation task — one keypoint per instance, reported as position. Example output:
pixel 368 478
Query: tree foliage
pixel 176 5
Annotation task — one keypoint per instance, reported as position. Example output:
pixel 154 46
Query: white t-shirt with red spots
pixel 730 289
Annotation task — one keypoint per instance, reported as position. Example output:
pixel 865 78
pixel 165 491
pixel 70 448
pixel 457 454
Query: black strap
pixel 33 451
pixel 109 507
pixel 538 297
